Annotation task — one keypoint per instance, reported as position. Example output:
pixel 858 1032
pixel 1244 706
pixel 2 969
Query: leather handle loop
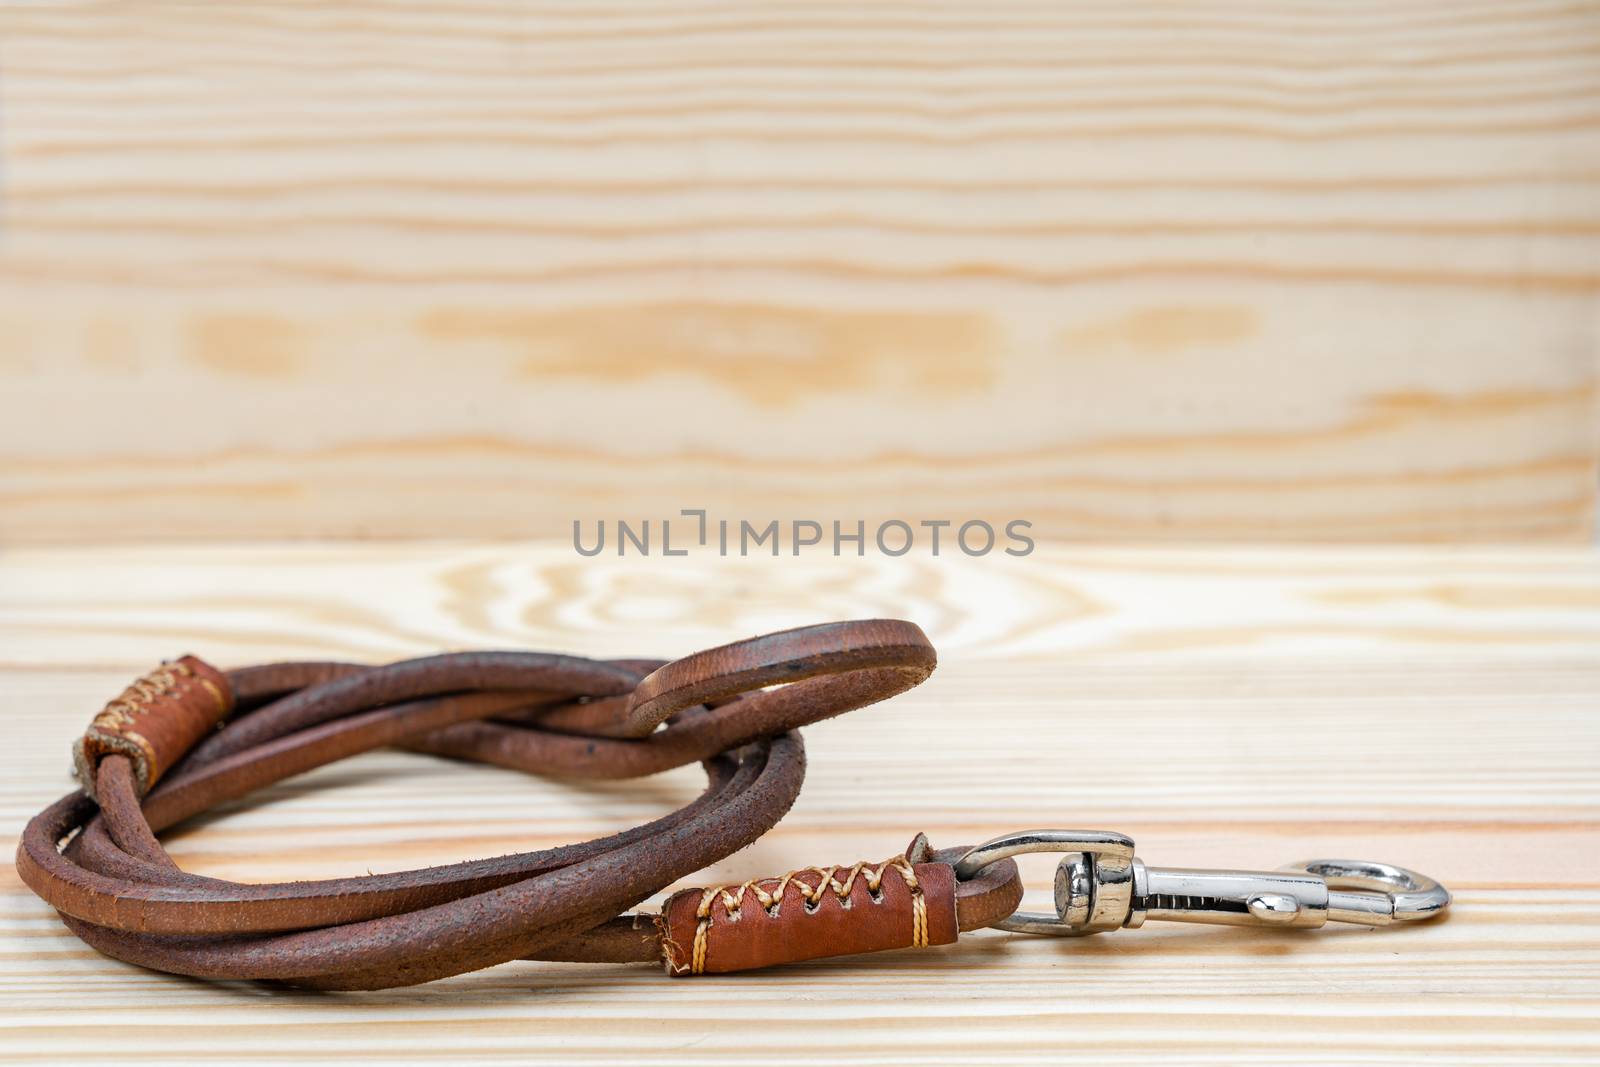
pixel 784 657
pixel 825 670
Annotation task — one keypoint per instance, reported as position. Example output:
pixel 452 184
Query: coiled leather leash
pixel 188 737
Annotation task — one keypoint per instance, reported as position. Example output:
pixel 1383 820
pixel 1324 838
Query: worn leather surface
pixel 809 914
pixel 155 721
pixel 117 888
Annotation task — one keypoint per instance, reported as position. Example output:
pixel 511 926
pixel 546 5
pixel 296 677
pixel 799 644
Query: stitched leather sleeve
pixel 809 914
pixel 155 721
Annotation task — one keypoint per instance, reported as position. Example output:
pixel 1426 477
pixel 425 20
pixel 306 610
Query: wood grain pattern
pixel 1224 707
pixel 1293 271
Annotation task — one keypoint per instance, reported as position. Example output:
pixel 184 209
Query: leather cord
pixel 734 709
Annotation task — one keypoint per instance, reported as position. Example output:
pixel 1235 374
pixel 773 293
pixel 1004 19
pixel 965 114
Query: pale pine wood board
pixel 1228 708
pixel 1308 270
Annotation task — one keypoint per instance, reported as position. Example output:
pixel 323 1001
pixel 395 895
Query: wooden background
pixel 1301 270
pixel 1228 708
pixel 353 297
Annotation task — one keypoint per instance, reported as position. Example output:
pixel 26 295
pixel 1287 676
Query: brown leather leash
pixel 188 737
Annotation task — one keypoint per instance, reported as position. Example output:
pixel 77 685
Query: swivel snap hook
pixel 1100 885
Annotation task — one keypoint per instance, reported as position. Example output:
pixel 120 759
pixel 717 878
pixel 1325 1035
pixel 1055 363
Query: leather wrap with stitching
pixel 155 721
pixel 809 914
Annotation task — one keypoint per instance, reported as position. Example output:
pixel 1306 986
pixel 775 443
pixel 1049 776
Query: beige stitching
pixel 114 729
pixel 670 949
pixel 210 687
pixel 136 699
pixel 144 746
pixel 732 898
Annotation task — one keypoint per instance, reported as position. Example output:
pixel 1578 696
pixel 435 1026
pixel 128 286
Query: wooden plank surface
pixel 1306 270
pixel 1229 708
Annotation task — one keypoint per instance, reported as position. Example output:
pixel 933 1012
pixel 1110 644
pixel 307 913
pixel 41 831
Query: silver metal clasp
pixel 1101 885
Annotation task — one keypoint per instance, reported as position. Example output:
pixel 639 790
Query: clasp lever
pixel 1100 885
